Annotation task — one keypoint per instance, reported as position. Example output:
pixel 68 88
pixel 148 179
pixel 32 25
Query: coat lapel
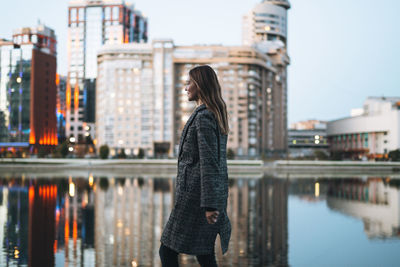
pixel 202 106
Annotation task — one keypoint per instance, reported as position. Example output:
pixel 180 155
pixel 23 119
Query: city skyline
pixel 327 62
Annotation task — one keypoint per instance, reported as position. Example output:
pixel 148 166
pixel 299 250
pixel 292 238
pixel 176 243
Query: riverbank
pixel 309 165
pixel 154 166
pixel 99 167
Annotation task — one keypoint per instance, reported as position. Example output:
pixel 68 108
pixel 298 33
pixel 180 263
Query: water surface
pixel 118 221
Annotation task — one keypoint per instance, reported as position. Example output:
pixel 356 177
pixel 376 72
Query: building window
pixel 115 14
pixel 267 15
pixel 81 14
pixel 107 12
pixel 73 14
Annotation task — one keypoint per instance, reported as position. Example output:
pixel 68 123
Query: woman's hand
pixel 212 216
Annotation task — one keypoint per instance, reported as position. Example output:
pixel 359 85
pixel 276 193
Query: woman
pixel 199 212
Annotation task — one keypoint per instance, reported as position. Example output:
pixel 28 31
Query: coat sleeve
pixel 210 178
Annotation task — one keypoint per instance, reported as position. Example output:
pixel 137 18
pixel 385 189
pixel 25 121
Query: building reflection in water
pixel 14 224
pixel 118 221
pixel 129 217
pixel 75 231
pixel 374 200
pixel 41 229
pixel 258 212
pixel 257 209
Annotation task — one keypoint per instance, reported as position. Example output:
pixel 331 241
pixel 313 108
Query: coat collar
pixel 184 132
pixel 201 107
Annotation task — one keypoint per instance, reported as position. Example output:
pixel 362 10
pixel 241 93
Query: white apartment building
pixel 373 131
pixel 134 98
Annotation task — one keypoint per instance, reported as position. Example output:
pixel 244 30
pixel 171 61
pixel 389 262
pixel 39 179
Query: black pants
pixel 169 258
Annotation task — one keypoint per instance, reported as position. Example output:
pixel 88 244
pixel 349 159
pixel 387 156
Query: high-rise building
pixel 91 24
pixel 143 87
pixel 141 102
pixel 247 79
pixel 265 28
pixel 61 82
pixel 28 89
pixel 266 24
pixel 134 100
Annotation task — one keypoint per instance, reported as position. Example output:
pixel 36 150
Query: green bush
pixel 42 152
pixel 336 155
pixel 122 154
pixel 63 148
pixel 321 155
pixel 104 183
pixel 104 151
pixel 230 154
pixel 394 155
pixel 141 153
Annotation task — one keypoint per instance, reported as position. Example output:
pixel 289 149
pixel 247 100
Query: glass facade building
pixel 27 89
pixel 92 24
pixel 61 83
pixel 15 91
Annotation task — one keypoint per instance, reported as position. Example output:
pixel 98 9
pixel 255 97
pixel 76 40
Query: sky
pixel 341 51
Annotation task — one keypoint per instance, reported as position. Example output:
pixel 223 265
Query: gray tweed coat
pixel 202 181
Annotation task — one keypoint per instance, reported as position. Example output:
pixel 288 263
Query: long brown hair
pixel 209 92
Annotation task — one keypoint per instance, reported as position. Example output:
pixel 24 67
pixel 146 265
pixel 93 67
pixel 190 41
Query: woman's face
pixel 191 90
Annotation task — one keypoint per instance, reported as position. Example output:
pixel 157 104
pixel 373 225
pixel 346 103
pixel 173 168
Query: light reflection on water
pixel 99 221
